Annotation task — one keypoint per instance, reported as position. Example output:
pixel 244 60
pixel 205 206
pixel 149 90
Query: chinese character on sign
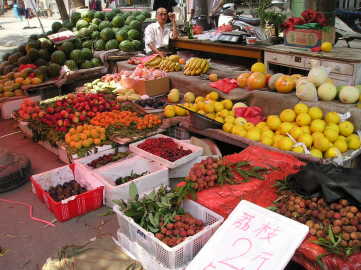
pixel 243 223
pixel 266 232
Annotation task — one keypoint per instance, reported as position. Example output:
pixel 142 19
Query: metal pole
pixel 37 16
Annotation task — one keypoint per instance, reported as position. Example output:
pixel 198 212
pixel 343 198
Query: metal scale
pixel 233 37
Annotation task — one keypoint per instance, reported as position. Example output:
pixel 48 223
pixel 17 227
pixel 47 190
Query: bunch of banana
pixel 196 66
pixel 168 65
pixel 154 63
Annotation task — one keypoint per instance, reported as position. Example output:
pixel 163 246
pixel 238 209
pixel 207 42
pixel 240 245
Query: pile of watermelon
pixel 110 30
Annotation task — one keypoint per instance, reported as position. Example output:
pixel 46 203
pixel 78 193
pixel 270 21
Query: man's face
pixel 162 15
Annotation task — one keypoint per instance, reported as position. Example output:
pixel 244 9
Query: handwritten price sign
pixel 251 238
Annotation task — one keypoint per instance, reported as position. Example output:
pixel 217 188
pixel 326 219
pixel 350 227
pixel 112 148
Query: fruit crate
pixel 73 206
pixel 138 253
pixel 82 163
pixel 196 152
pixel 178 256
pixel 158 175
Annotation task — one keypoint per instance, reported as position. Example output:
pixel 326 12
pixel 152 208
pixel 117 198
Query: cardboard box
pixel 307 38
pixel 151 88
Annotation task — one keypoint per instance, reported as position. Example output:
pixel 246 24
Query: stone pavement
pixel 12 33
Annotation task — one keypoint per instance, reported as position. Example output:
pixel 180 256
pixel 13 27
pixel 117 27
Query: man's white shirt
pixel 153 33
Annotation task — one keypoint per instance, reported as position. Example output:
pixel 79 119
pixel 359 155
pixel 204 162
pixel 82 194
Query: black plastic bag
pixel 329 181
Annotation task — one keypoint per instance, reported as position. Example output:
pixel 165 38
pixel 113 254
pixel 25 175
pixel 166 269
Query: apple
pixel 64 113
pixel 82 117
pixel 66 123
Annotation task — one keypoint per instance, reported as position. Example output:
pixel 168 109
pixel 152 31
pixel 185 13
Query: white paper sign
pixel 251 238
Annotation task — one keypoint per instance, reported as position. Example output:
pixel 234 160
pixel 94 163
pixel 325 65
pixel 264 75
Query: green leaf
pixel 133 192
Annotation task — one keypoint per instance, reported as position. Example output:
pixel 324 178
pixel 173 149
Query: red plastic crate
pixel 74 206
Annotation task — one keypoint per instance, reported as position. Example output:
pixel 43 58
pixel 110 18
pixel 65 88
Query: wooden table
pixel 247 51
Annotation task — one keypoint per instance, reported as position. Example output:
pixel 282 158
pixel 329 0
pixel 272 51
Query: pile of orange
pixel 125 118
pixel 85 136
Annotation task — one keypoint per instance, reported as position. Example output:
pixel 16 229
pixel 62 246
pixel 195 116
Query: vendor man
pixel 156 35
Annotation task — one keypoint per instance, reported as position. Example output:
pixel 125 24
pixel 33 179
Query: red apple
pixel 59 123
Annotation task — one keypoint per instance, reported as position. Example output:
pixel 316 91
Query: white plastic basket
pixel 196 152
pixel 183 170
pixel 83 162
pixel 178 256
pixel 158 175
pixel 136 252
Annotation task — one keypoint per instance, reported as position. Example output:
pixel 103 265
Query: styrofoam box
pixel 178 256
pixel 82 162
pixel 8 107
pixel 65 157
pixel 183 170
pixel 158 175
pixel 136 252
pixel 196 152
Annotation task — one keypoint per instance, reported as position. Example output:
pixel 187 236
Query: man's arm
pixel 155 50
pixel 175 33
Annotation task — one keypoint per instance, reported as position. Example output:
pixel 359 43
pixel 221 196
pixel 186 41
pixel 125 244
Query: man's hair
pixel 158 10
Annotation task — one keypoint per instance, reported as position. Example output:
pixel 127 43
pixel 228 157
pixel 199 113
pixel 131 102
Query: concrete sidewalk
pixel 13 34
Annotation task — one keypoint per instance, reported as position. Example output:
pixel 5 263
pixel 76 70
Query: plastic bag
pixel 223 199
pixel 252 114
pixel 330 181
pixel 225 85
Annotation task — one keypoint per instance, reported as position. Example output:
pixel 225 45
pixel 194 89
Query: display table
pixel 247 51
pixel 345 63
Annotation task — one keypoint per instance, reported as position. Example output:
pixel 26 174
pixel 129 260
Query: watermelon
pixel 96 21
pixel 93 27
pixel 75 16
pixel 140 18
pixel 40 62
pixel 66 47
pixel 71 64
pixel 68 25
pixel 117 11
pixel 88 15
pixel 54 70
pixel 77 43
pixel 58 57
pixel 84 33
pixel 146 14
pixel 109 16
pixel 56 26
pixel 99 45
pixel 129 20
pixel 62 29
pixel 96 62
pixel 136 13
pixel 126 46
pixel 99 15
pixel 76 56
pixel 104 24
pixel 118 21
pixel 107 34
pixel 125 28
pixel 86 54
pixel 86 64
pixel 81 24
pixel 137 45
pixel 95 35
pixel 87 44
pixel 111 44
pixel 115 29
pixel 43 53
pixel 133 34
pixel 121 35
pixel 45 43
pixel 135 24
